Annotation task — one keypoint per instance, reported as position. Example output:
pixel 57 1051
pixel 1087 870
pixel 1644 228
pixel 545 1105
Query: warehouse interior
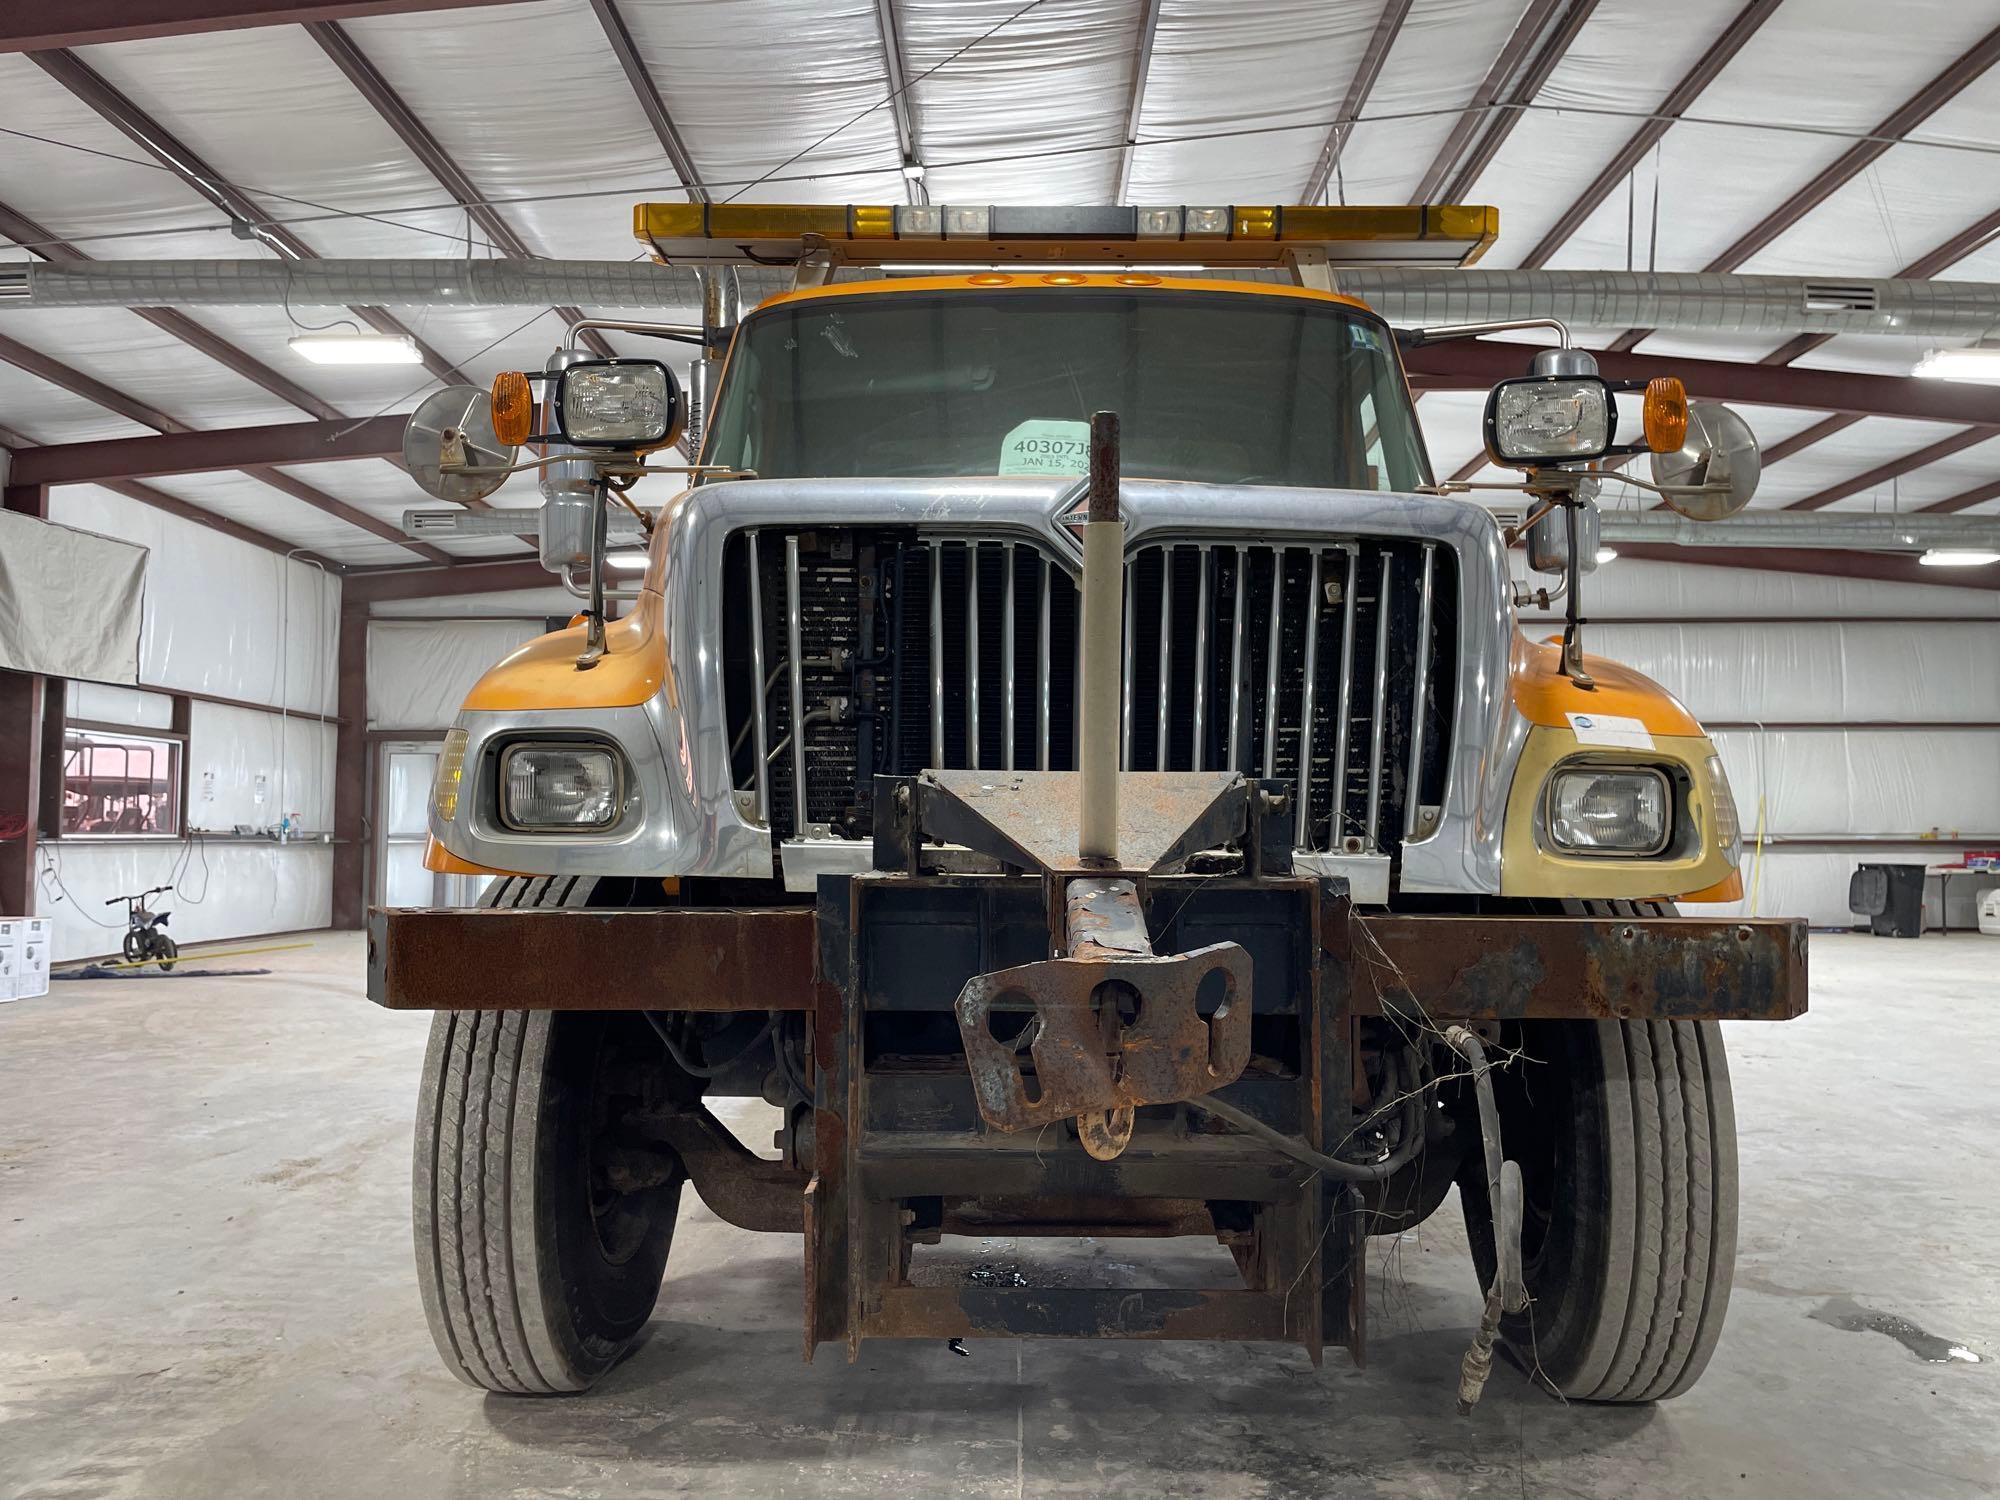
pixel 228 672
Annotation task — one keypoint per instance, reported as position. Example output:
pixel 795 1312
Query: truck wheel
pixel 1626 1139
pixel 538 1259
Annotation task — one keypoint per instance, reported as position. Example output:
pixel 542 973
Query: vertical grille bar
pixel 1166 657
pixel 796 653
pixel 1125 704
pixel 1413 798
pixel 1302 823
pixel 759 731
pixel 1042 672
pixel 1007 662
pixel 1236 665
pixel 1379 722
pixel 937 656
pixel 1272 653
pixel 972 655
pixel 1343 722
pixel 1197 759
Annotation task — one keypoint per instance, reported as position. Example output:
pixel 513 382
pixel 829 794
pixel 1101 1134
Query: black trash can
pixel 1891 897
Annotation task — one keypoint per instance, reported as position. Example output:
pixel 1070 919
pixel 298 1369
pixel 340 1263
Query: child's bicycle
pixel 146 940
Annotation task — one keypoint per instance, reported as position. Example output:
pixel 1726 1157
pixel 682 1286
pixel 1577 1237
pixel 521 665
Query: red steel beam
pixel 147 133
pixel 350 767
pixel 185 452
pixel 618 37
pixel 38 25
pixel 1918 108
pixel 1979 494
pixel 38 240
pixel 1895 468
pixel 428 149
pixel 1671 108
pixel 173 505
pixel 1539 40
pixel 380 585
pixel 1475 364
pixel 1388 26
pixel 29 469
pixel 1885 566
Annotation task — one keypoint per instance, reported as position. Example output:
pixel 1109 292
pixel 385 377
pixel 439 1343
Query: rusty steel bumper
pixel 1463 968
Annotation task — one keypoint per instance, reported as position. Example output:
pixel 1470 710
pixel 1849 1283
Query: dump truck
pixel 1064 750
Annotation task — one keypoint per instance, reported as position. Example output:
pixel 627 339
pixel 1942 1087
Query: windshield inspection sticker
pixel 1042 445
pixel 1610 729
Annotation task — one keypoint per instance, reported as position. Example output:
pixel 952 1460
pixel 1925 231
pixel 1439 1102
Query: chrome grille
pixel 902 651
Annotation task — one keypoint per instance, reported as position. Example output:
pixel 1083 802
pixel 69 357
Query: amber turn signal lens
pixel 514 408
pixel 1666 413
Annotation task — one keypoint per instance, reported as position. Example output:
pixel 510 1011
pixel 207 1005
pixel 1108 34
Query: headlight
pixel 558 786
pixel 1559 418
pixel 619 403
pixel 1728 828
pixel 1603 811
pixel 450 772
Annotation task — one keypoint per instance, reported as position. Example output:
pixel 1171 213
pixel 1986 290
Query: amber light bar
pixel 988 234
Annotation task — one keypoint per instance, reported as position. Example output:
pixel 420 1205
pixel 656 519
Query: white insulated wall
pixel 225 618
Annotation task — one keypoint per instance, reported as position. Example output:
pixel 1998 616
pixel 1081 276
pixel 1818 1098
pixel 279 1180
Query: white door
pixel 402 827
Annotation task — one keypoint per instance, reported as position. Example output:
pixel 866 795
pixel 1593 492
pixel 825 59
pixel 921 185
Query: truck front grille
pixel 904 652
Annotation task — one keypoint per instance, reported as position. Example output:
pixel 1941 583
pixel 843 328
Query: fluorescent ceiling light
pixel 356 348
pixel 1959 557
pixel 1979 362
pixel 1606 554
pixel 631 561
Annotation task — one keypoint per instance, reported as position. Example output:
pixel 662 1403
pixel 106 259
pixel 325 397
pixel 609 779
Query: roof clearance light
pixel 968 223
pixel 919 221
pixel 356 348
pixel 1958 557
pixel 1159 223
pixel 1980 362
pixel 1211 222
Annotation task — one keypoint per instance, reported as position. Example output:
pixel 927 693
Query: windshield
pixel 1224 387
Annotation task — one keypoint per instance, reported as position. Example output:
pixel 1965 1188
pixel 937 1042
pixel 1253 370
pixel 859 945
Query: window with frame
pixel 120 784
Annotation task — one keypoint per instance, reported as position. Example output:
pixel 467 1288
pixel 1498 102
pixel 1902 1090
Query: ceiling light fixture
pixel 356 348
pixel 1606 554
pixel 1959 557
pixel 1977 362
pixel 631 561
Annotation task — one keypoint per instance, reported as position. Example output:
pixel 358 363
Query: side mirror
pixel 1714 472
pixel 454 427
pixel 1547 540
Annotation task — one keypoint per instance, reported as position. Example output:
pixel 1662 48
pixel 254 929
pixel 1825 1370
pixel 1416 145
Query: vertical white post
pixel 1103 618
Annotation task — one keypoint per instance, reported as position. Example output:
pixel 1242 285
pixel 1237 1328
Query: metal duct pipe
pixel 1768 305
pixel 1822 530
pixel 1691 301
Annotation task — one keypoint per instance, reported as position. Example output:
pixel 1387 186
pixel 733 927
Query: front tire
pixel 538 1258
pixel 1626 1138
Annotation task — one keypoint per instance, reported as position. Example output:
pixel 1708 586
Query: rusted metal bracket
pixel 738 1186
pixel 1114 1025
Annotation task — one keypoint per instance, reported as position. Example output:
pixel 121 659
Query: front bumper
pixel 1458 968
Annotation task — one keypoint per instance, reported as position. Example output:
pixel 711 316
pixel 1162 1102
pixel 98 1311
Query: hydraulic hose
pixel 1336 1167
pixel 1507 1292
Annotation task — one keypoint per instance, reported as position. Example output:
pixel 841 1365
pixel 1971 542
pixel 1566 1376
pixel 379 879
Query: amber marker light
pixel 514 408
pixel 1666 414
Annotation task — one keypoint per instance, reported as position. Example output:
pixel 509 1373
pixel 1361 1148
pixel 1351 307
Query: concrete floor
pixel 205 1269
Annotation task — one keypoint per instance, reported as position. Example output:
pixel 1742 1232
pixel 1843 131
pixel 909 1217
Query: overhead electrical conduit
pixel 1773 305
